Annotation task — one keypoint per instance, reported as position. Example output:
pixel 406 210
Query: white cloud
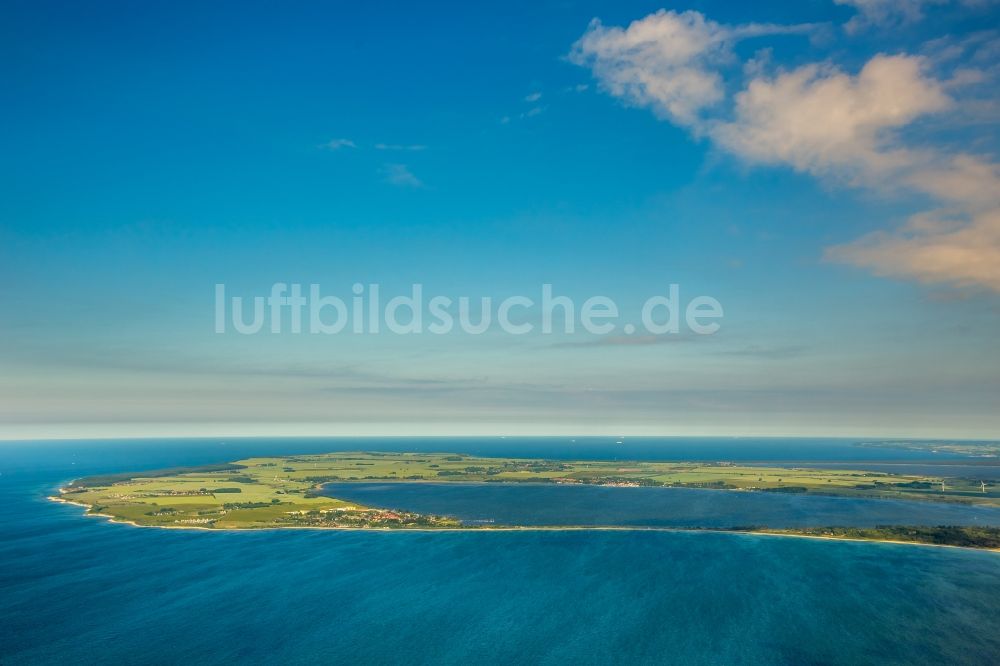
pixel 957 244
pixel 933 248
pixel 530 113
pixel 337 144
pixel 667 61
pixel 885 13
pixel 401 176
pixel 896 13
pixel 400 146
pixel 823 121
pixel 965 180
pixel 662 61
pixel 533 97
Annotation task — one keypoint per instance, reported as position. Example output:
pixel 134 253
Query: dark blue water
pixel 80 589
pixel 554 504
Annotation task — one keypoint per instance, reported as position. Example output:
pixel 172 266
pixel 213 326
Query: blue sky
pixel 826 170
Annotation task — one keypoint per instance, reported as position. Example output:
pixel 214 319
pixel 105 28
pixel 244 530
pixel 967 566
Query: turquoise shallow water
pixel 79 589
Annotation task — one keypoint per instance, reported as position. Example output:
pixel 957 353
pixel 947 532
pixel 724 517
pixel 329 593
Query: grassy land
pixel 280 492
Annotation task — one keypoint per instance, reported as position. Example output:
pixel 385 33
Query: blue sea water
pixel 75 589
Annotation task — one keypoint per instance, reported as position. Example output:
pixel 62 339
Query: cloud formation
pixel 413 147
pixel 846 128
pixel 967 255
pixel 897 13
pixel 885 13
pixel 820 120
pixel 401 176
pixel 337 144
pixel 667 61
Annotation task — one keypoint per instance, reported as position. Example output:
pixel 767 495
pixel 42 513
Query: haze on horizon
pixel 827 171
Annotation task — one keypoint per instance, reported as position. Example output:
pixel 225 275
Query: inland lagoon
pixel 591 505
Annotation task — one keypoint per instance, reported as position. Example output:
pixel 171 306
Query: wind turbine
pixel 983 484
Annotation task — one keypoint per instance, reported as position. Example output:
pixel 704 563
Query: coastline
pixel 514 528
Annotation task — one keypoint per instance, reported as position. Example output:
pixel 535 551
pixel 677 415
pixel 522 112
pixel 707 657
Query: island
pixel 283 492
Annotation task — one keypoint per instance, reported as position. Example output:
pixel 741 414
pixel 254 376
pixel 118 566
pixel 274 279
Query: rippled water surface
pixel 80 590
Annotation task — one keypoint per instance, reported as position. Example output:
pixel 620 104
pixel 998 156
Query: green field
pixel 280 491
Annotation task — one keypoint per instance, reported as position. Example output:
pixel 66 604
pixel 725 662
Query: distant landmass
pixel 975 449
